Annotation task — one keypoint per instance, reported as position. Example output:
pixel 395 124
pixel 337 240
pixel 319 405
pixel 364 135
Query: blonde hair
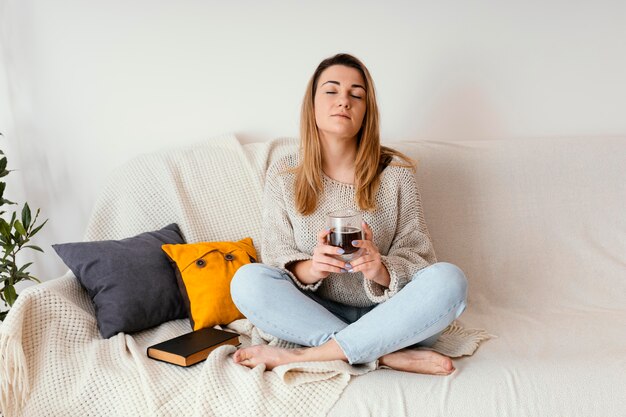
pixel 371 157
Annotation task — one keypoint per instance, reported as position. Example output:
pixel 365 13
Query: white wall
pixel 89 84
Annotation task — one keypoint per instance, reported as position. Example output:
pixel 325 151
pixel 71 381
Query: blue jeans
pixel 417 314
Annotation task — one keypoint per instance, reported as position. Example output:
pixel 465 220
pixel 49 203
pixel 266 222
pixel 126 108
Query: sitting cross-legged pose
pixel 395 294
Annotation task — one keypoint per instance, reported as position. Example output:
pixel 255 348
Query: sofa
pixel 537 225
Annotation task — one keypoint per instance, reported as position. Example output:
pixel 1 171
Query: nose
pixel 343 101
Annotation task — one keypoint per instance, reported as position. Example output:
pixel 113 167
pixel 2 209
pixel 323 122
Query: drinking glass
pixel 345 226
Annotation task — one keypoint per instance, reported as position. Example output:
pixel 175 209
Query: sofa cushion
pixel 204 271
pixel 130 281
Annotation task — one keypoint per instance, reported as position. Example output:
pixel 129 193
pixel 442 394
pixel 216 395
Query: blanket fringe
pixel 14 386
pixel 456 341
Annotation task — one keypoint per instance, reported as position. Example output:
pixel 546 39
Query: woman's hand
pixel 324 262
pixel 324 259
pixel 370 262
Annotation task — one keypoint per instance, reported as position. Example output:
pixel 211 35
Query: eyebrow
pixel 337 82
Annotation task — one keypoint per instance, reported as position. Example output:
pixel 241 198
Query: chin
pixel 340 133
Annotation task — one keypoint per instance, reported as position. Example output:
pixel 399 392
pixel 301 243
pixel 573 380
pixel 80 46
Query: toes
pixel 249 357
pixel 248 363
pixel 448 368
pixel 241 358
pixel 240 355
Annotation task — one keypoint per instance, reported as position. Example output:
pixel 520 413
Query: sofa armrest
pixel 37 309
pixel 68 287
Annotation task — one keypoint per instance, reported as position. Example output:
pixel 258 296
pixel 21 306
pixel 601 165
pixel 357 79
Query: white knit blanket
pixel 53 361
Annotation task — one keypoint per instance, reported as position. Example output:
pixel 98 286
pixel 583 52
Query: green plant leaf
pixel 19 228
pixel 14 235
pixel 10 295
pixel 5 229
pixel 19 276
pixel 38 228
pixel 37 248
pixel 8 249
pixel 25 266
pixel 5 201
pixel 26 216
pixel 32 278
pixel 13 217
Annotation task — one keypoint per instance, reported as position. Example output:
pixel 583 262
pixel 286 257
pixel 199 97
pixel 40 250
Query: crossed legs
pixel 421 310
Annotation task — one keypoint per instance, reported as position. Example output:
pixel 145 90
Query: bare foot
pixel 418 361
pixel 271 356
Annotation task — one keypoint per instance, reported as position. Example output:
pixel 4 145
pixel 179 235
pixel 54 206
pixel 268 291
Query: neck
pixel 338 158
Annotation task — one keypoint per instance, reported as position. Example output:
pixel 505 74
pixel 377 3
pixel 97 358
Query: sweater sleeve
pixel 278 247
pixel 411 249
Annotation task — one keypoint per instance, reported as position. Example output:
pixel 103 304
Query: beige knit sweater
pixel 397 224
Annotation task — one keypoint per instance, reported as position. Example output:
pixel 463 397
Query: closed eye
pixel 358 97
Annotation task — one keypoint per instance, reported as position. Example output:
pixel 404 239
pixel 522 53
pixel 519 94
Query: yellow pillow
pixel 204 271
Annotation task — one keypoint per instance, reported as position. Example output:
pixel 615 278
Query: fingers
pixel 327 250
pixel 325 263
pixel 367 232
pixel 366 245
pixel 366 263
pixel 325 259
pixel 324 255
pixel 370 258
pixel 321 236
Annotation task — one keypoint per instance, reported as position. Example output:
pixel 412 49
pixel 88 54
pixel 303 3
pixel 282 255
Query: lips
pixel 342 115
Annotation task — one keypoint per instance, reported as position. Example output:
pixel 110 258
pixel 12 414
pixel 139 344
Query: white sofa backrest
pixel 534 223
pixel 207 188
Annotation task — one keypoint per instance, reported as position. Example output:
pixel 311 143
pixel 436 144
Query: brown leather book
pixel 191 348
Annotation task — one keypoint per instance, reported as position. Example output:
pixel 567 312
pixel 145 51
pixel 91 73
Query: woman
pixel 394 295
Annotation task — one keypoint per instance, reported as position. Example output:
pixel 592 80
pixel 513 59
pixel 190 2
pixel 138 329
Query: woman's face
pixel 340 102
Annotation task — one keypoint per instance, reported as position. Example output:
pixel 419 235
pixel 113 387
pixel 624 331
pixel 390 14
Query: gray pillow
pixel 130 281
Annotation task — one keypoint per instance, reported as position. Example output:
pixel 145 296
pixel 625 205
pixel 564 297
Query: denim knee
pixel 246 284
pixel 454 283
pixel 445 281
